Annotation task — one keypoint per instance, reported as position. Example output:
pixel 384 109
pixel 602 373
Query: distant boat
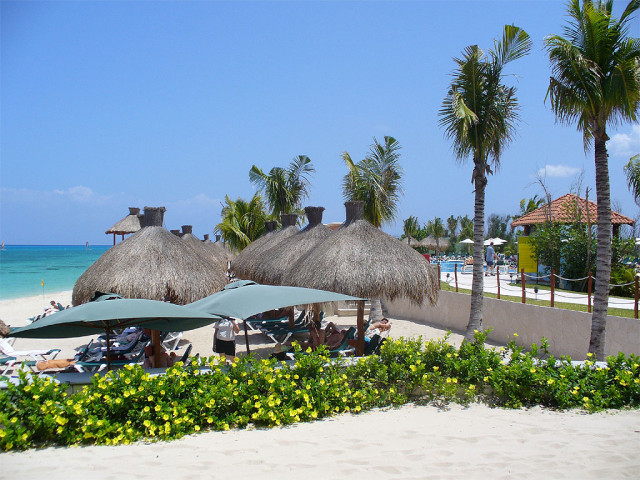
pixel 86 245
pixel 2 247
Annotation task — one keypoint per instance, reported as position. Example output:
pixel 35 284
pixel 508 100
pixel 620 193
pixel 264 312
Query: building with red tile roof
pixel 568 209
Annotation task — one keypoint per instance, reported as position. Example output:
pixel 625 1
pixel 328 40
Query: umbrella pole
pixel 360 329
pixel 246 336
pixel 292 319
pixel 108 350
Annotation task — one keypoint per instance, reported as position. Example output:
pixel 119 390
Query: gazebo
pixel 129 224
pixel 568 209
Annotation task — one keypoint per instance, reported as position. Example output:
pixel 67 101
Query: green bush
pixel 622 276
pixel 128 405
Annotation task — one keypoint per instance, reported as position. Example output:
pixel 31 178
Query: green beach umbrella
pixel 245 298
pixel 106 316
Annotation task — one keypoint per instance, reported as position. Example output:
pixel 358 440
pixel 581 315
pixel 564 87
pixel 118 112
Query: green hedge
pixel 128 405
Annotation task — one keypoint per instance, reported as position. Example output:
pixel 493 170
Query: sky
pixel 110 105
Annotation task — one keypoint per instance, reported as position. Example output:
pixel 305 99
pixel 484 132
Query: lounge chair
pixel 6 364
pixel 38 355
pixel 97 366
pixel 171 340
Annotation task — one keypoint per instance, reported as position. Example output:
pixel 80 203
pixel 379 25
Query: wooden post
pixel 360 329
pixel 439 286
pixel 589 293
pixel 246 336
pixel 114 238
pixel 455 273
pixel 553 287
pixel 498 280
pixel 523 281
pixel 635 305
pixel 292 318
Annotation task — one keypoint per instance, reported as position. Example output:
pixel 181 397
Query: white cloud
pixel 558 171
pixel 77 194
pixel 625 145
pixel 199 201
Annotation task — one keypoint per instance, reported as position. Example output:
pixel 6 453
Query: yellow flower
pixel 515 335
pixel 435 369
pixel 550 381
pixel 486 379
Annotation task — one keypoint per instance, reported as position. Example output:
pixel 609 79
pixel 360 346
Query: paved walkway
pixel 491 286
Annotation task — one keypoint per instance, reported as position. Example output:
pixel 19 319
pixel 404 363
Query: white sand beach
pixel 408 442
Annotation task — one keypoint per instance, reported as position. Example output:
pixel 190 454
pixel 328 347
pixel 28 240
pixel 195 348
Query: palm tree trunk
pixel 477 286
pixel 603 250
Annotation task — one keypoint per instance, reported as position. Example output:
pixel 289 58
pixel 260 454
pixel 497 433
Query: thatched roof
pixel 220 247
pixel 277 260
pixel 362 261
pixel 152 264
pixel 239 264
pixel 129 224
pixel 251 263
pixel 412 242
pixel 212 255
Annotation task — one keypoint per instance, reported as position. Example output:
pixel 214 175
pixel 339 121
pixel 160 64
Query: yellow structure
pixel 526 257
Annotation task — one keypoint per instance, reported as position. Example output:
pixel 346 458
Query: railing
pixel 552 281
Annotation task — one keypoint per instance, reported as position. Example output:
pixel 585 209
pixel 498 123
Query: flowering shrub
pixel 129 405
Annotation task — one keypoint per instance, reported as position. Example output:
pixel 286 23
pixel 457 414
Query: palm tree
pixel 528 206
pixel 479 115
pixel 632 171
pixel 376 180
pixel 466 227
pixel 411 228
pixel 284 188
pixel 452 226
pixel 242 222
pixel 596 81
pixel 435 227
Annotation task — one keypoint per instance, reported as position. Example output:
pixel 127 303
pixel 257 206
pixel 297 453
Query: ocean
pixel 25 268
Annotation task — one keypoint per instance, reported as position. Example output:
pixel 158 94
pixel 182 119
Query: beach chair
pixel 6 364
pixel 171 340
pixel 185 355
pixel 98 366
pixel 38 355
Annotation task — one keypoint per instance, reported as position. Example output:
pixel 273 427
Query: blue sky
pixel 106 105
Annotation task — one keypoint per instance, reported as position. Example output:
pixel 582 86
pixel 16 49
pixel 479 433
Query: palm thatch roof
pixel 277 260
pixel 152 264
pixel 251 263
pixel 218 259
pixel 4 329
pixel 412 242
pixel 362 261
pixel 129 224
pixel 218 246
pixel 239 264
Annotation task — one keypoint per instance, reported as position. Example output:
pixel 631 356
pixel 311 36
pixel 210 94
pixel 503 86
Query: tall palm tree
pixel 452 227
pixel 284 188
pixel 242 222
pixel 435 227
pixel 595 82
pixel 479 115
pixel 466 226
pixel 411 228
pixel 376 180
pixel 632 171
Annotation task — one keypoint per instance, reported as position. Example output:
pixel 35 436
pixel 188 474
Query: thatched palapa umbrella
pixel 219 247
pixel 151 264
pixel 277 260
pixel 129 224
pixel 362 261
pixel 246 263
pixel 239 264
pixel 209 254
pixel 257 259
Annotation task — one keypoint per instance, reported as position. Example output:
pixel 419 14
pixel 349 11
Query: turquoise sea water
pixel 23 268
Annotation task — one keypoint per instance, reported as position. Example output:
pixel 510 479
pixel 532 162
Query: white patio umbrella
pixel 467 240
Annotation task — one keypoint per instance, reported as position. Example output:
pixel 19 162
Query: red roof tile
pixel 567 209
